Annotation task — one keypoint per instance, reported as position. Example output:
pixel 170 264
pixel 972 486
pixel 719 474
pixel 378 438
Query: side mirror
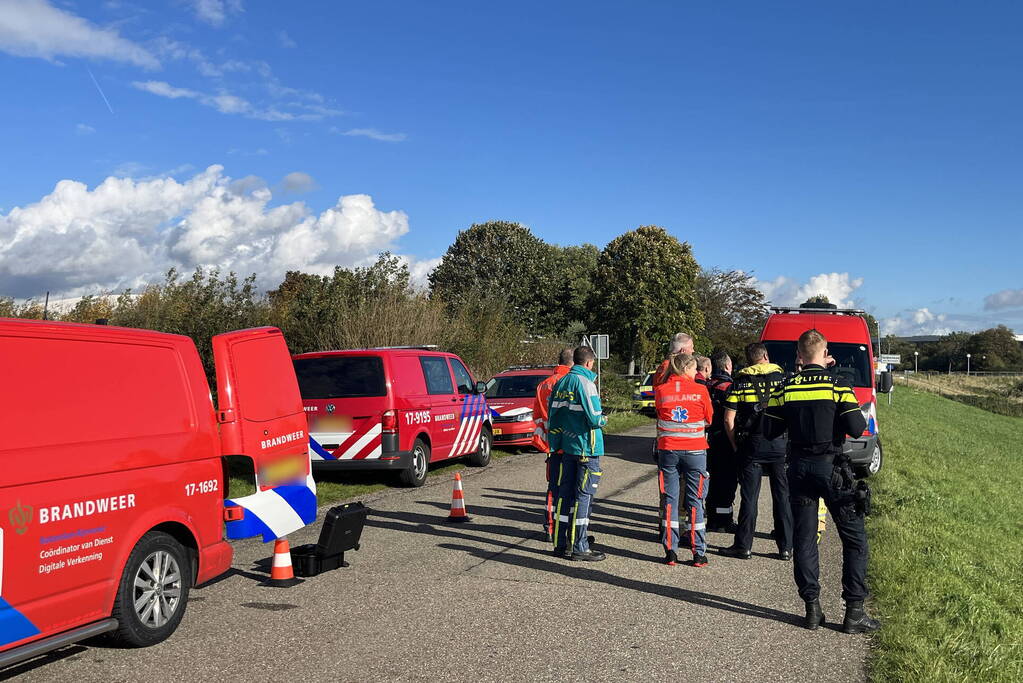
pixel 885 382
pixel 481 387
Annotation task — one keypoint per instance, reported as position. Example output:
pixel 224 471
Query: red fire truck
pixel 113 477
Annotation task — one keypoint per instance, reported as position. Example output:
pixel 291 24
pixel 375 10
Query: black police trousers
pixel 749 493
pixel 810 478
pixel 722 465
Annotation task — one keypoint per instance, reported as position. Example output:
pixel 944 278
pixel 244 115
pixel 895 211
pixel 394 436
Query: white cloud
pixel 84 129
pixel 227 103
pixel 286 40
pixel 214 12
pixel 35 28
pixel 838 287
pixel 298 182
pixel 125 233
pixel 373 134
pixel 1007 298
pixel 921 321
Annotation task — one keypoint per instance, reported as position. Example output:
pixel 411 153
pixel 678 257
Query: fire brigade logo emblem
pixel 20 516
pixel 680 415
pixel 330 407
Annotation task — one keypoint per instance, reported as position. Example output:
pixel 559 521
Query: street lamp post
pixel 967 365
pixel 916 362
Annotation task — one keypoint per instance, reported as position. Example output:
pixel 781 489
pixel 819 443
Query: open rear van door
pixel 261 416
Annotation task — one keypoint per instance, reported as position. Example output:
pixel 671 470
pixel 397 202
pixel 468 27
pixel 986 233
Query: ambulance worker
pixel 683 413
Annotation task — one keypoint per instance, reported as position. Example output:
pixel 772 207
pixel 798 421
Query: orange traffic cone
pixel 458 513
pixel 282 575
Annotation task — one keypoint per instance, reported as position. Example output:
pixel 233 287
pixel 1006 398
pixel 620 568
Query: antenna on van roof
pixel 832 310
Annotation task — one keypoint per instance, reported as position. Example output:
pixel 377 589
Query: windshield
pixel 648 380
pixel 340 377
pixel 852 361
pixel 515 386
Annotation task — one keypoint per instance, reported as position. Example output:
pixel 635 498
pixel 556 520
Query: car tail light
pixel 389 422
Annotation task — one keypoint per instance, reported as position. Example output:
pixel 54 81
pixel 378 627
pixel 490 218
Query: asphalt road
pixel 428 600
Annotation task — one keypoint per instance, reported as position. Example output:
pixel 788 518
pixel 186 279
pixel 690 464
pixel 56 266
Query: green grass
pixel 946 566
pixel 332 487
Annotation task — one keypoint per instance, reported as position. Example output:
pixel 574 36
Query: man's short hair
pixel 703 364
pixel 811 344
pixel 755 352
pixel 681 341
pixel 720 360
pixel 565 357
pixel 583 355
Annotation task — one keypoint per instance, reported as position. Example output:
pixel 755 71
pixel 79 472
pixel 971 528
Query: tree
pixel 645 292
pixel 576 269
pixel 950 351
pixel 995 349
pixel 734 310
pixel 500 258
pixel 816 299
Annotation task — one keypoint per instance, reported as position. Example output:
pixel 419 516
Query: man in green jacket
pixel 575 419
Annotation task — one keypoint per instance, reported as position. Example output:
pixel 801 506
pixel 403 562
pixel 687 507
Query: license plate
pixel 498 431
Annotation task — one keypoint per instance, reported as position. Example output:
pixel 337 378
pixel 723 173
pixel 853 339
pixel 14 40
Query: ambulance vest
pixel 683 413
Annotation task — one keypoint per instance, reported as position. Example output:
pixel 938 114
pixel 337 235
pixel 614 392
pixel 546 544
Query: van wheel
pixel 415 474
pixel 481 458
pixel 153 592
pixel 876 461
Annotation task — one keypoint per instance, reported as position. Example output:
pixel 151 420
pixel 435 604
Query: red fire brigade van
pixel 511 395
pixel 396 409
pixel 112 480
pixel 849 344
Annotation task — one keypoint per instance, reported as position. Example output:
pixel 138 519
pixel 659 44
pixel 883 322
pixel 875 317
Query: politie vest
pixel 684 411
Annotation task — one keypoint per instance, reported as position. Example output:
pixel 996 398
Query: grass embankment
pixel 946 536
pixel 998 394
pixel 334 486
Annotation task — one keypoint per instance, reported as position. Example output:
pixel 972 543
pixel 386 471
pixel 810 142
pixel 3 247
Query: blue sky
pixel 869 150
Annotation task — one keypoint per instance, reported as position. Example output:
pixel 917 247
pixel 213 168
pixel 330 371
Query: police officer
pixel 819 410
pixel 757 456
pixel 683 412
pixel 724 475
pixel 574 431
pixel 543 397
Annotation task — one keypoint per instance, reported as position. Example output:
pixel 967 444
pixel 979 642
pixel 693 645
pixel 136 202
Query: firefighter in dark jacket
pixel 818 411
pixel 757 456
pixel 724 475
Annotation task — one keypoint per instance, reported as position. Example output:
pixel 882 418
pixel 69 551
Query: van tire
pixel 141 627
pixel 415 474
pixel 875 465
pixel 481 458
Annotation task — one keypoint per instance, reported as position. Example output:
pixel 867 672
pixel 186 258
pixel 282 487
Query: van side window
pixel 435 371
pixel 462 377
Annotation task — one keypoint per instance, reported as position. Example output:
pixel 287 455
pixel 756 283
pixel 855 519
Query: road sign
pixel 890 359
pixel 601 347
pixel 585 341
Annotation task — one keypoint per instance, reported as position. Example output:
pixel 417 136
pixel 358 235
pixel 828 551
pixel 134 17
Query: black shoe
pixel 589 556
pixel 736 552
pixel 785 555
pixel 725 527
pixel 547 536
pixel 857 620
pixel 671 558
pixel 562 553
pixel 814 615
pixel 700 561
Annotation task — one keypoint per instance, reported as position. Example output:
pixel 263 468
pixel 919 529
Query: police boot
pixel 857 620
pixel 814 615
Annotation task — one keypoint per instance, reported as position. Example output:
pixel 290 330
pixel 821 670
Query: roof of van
pixel 30 326
pixel 836 327
pixel 380 350
pixel 526 370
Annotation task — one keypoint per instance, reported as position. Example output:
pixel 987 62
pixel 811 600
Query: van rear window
pixel 340 377
pixel 852 361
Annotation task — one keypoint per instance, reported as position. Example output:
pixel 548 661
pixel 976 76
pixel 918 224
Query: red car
pixel 511 395
pixel 395 409
pixel 112 476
